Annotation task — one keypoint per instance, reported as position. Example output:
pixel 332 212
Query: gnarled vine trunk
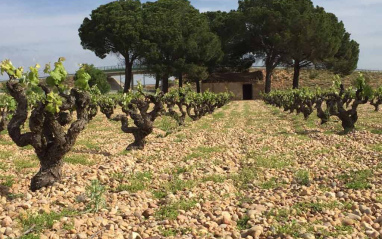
pixel 47 133
pixel 137 110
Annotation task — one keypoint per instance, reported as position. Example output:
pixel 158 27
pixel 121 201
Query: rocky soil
pixel 247 171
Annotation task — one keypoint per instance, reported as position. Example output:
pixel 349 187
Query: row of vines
pixel 57 114
pixel 336 101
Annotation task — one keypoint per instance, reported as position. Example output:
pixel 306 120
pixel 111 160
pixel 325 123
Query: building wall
pixel 235 87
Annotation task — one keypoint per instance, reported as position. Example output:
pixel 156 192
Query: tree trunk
pixel 157 79
pixel 165 84
pixel 296 74
pixel 197 86
pixel 180 80
pixel 128 75
pixel 49 173
pixel 268 79
pixel 139 140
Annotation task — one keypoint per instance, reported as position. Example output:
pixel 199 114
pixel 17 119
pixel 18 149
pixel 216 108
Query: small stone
pixel 25 205
pixel 252 214
pixel 367 226
pixel 181 218
pixel 364 209
pixel 148 212
pixel 8 231
pixel 305 192
pixel 340 194
pixel 6 222
pixel 330 195
pixel 354 217
pixel 226 218
pixel 308 236
pixel 134 235
pixel 28 196
pixel 81 236
pixel 372 234
pixel 81 198
pixel 348 222
pixel 255 231
pixel 56 226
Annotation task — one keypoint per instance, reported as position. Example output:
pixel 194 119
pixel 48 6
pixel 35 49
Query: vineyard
pixel 186 164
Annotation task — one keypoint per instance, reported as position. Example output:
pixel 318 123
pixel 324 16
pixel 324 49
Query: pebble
pixel 148 212
pixel 81 236
pixel 330 195
pixel 6 222
pixel 348 221
pixel 308 236
pixel 364 209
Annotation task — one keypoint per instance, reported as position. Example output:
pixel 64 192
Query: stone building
pixel 245 86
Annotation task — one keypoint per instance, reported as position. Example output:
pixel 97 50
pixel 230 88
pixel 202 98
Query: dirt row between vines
pixel 247 171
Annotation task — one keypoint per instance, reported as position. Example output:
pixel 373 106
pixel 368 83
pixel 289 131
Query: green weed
pixel 95 191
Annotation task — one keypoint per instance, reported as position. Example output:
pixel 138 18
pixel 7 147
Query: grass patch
pixel 173 187
pixel 28 147
pixel 202 151
pixel 43 221
pixel 26 163
pixel 216 178
pixel 315 207
pixel 171 211
pixel 13 196
pixel 88 144
pixel 78 159
pixel 270 184
pixel 357 179
pixel 136 182
pixel 5 154
pixel 95 191
pixel 302 177
pixel 6 142
pixel 219 115
pixel 242 224
pixel 180 138
pixel 276 162
pixel 377 147
pixel 167 124
pixel 7 181
pixel 3 166
pixel 244 177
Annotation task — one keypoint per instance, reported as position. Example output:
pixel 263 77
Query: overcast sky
pixel 40 31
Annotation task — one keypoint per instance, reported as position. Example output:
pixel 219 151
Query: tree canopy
pixel 230 27
pixel 267 33
pixel 98 78
pixel 172 38
pixel 117 28
pixel 180 36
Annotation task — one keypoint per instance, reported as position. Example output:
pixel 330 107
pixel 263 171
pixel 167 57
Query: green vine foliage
pixel 55 80
pixel 7 104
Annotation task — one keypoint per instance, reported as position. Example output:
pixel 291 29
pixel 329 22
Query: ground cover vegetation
pixel 232 173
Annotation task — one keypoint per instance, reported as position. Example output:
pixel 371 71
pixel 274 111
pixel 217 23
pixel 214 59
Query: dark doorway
pixel 247 92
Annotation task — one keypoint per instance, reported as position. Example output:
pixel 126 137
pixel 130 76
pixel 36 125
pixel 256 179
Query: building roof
pixel 246 77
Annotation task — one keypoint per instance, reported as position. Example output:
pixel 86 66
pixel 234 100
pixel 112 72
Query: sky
pixel 41 31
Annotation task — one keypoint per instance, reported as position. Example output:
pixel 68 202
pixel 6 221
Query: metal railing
pixel 120 68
